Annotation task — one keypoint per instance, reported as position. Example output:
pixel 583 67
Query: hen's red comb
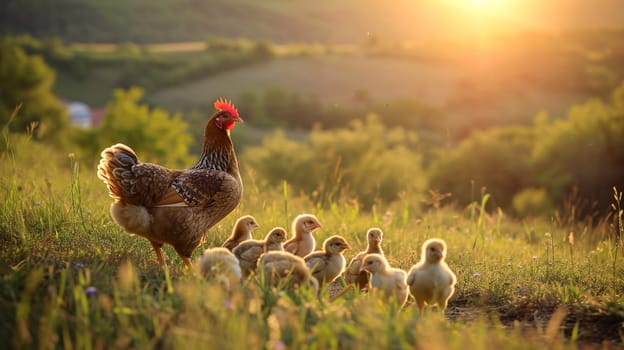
pixel 226 105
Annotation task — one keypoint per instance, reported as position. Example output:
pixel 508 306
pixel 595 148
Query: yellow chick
pixel 327 264
pixel 287 268
pixel 219 264
pixel 248 252
pixel 242 230
pixel 353 274
pixel 390 282
pixel 431 281
pixel 302 243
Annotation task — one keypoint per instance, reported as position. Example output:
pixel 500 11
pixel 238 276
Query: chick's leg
pixel 159 255
pixel 421 306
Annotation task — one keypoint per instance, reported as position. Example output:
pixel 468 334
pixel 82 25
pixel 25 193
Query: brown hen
pixel 176 207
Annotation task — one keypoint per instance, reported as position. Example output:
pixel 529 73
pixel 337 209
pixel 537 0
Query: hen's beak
pixel 238 119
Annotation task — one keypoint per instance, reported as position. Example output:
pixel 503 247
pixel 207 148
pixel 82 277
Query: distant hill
pixel 324 21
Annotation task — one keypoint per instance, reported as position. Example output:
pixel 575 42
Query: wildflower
pixel 90 291
pixel 277 345
pixel 228 304
pixel 476 275
pixel 387 218
pixel 78 265
pixel 534 257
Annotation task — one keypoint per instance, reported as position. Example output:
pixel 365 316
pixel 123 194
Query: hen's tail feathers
pixel 115 167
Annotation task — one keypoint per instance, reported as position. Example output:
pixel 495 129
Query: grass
pixel 70 278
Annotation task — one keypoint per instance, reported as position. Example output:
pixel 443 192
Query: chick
pixel 248 252
pixel 353 274
pixel 431 281
pixel 327 264
pixel 385 279
pixel 303 243
pixel 284 267
pixel 242 230
pixel 219 264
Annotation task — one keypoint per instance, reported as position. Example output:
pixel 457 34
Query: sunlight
pixel 504 8
pixel 486 7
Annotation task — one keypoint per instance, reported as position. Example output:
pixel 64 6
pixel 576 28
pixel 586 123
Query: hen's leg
pixel 159 255
pixel 187 261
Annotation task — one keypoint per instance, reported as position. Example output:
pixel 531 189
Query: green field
pixel 336 80
pixel 500 132
pixel 521 284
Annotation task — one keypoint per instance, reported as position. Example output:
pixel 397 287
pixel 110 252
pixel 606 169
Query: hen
pixel 303 243
pixel 431 281
pixel 241 231
pixel 176 207
pixel 327 264
pixel 353 274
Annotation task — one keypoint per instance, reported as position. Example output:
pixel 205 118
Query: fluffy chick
pixel 302 243
pixel 353 274
pixel 248 252
pixel 219 264
pixel 284 267
pixel 242 230
pixel 327 264
pixel 431 281
pixel 391 282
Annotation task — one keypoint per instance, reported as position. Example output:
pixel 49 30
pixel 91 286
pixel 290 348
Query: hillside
pixel 325 21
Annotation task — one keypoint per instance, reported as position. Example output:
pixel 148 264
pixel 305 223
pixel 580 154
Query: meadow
pixel 496 125
pixel 71 278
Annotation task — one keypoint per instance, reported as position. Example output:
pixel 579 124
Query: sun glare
pixel 487 7
pixel 484 6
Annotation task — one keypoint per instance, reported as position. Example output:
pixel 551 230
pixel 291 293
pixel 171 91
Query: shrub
pixel 366 161
pixel 532 202
pixel 27 80
pixel 498 159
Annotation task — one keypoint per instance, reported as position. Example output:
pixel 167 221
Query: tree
pixel 584 153
pixel 152 133
pixel 498 159
pixel 366 161
pixel 27 80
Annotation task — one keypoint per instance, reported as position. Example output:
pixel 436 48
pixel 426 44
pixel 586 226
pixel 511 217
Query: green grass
pixel 522 285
